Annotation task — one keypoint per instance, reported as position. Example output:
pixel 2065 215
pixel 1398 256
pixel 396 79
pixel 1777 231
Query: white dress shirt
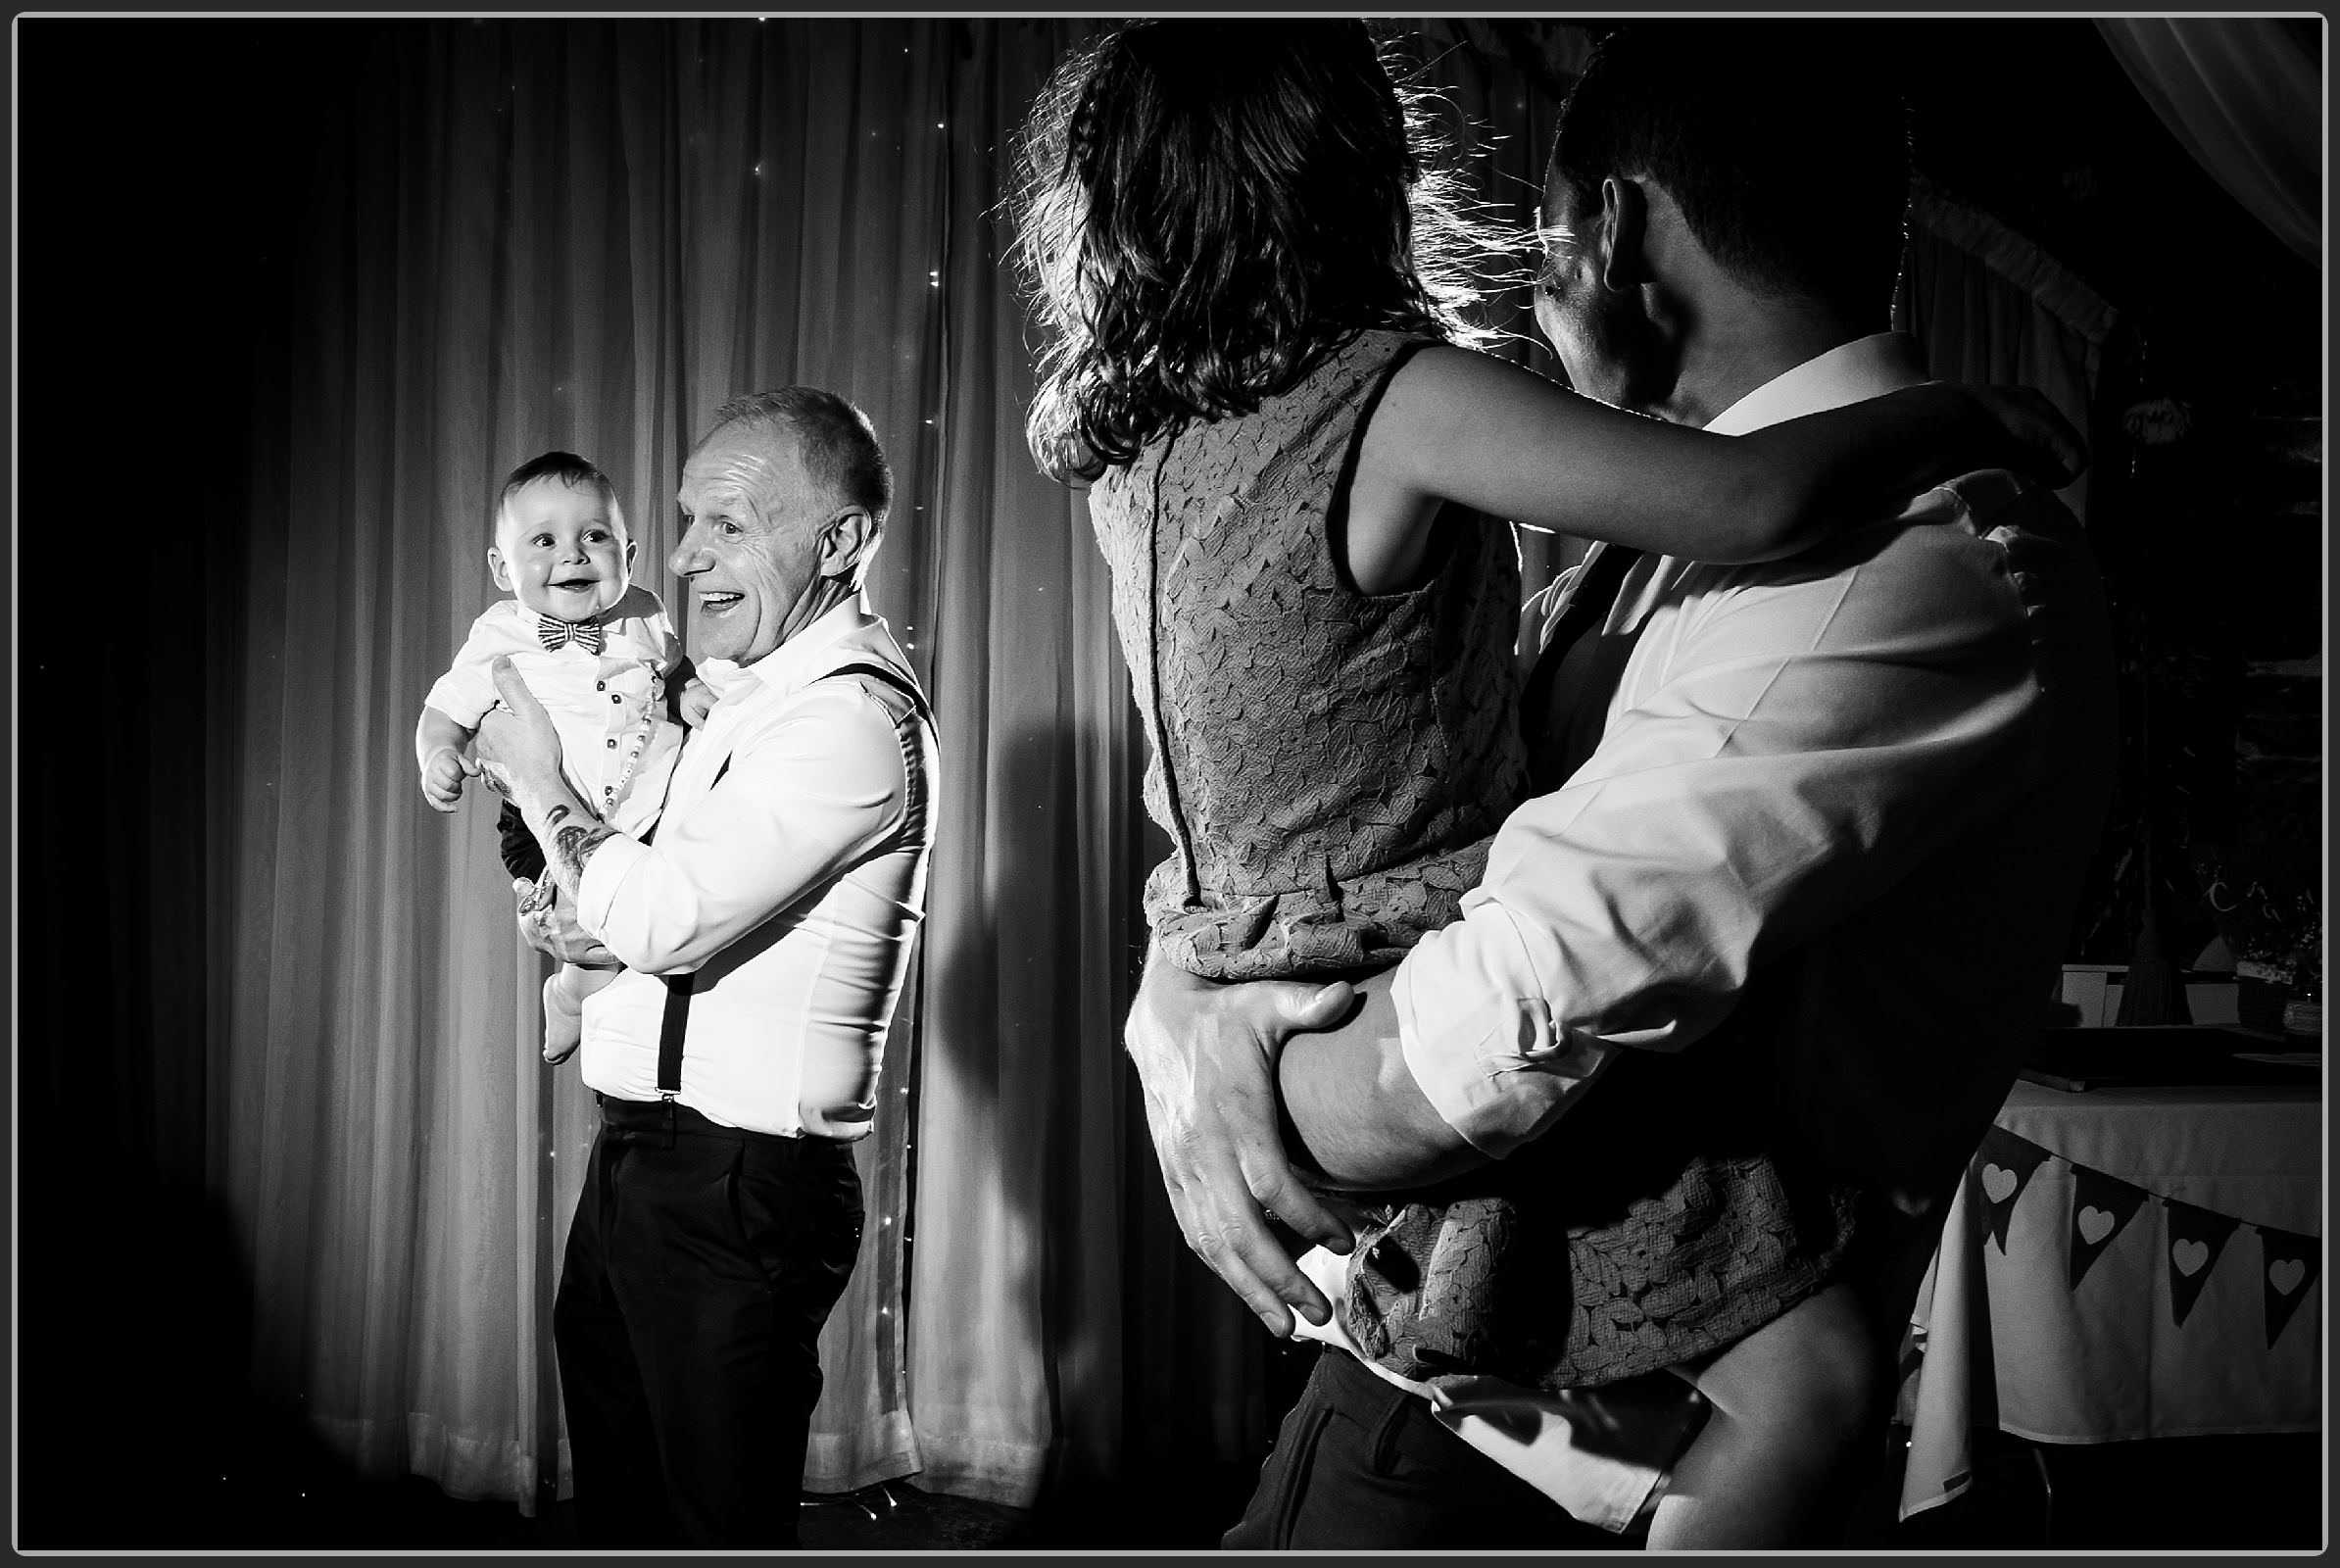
pixel 790 874
pixel 1864 781
pixel 617 745
pixel 1889 754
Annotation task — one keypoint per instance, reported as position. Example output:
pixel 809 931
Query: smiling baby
pixel 598 651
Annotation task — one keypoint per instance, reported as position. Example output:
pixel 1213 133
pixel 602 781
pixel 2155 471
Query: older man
pixel 1787 912
pixel 765 933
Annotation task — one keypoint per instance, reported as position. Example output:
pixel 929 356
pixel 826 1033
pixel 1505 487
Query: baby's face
pixel 558 550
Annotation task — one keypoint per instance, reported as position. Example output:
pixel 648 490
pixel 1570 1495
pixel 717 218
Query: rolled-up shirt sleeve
pixel 1800 739
pixel 801 802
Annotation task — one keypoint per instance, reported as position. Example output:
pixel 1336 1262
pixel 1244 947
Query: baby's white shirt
pixel 617 745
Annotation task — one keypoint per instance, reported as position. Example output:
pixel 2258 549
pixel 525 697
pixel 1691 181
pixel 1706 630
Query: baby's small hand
pixel 443 777
pixel 698 698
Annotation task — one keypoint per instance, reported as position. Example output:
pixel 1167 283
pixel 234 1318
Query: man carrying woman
pixel 1801 834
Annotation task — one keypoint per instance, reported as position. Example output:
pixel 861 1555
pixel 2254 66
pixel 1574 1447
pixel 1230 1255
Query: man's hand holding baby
pixel 519 753
pixel 520 750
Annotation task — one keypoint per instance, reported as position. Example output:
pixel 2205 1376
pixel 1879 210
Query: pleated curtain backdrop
pixel 516 235
pixel 430 249
pixel 1991 308
pixel 507 235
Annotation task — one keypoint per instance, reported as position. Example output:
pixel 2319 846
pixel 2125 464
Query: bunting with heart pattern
pixel 2193 1238
pixel 2288 1263
pixel 2101 1209
pixel 2005 1164
pixel 2196 1239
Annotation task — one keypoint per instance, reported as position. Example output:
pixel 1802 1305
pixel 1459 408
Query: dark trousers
pixel 700 1266
pixel 1360 1465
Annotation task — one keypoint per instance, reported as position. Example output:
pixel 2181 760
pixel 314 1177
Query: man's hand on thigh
pixel 1205 1053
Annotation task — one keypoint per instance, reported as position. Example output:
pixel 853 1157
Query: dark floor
pixel 2188 1495
pixel 269 1492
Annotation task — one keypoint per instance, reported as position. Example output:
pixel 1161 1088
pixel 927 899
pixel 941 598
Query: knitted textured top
pixel 1329 763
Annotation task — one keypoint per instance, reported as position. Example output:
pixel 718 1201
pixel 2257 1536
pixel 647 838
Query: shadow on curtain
pixel 503 237
pixel 304 1053
pixel 512 237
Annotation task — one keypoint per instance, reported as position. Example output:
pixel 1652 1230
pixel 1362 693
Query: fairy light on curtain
pixel 518 234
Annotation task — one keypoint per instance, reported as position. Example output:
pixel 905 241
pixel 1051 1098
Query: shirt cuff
pixel 605 869
pixel 1489 1064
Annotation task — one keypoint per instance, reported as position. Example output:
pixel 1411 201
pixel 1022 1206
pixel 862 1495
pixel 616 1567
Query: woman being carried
pixel 1253 282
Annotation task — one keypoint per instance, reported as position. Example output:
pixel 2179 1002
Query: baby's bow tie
pixel 586 634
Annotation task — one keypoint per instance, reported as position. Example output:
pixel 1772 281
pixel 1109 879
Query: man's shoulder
pixel 847 737
pixel 878 689
pixel 1966 559
pixel 1961 529
pixel 1996 502
pixel 2001 533
pixel 863 691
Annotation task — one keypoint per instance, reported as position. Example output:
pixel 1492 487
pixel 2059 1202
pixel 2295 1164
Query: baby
pixel 598 652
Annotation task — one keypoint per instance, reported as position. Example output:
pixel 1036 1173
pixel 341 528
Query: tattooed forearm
pixel 573 847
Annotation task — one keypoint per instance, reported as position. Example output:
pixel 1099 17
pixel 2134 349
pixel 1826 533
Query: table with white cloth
pixel 2123 1263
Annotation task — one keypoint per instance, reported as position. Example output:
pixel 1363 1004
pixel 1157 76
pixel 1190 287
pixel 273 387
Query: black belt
pixel 660 1122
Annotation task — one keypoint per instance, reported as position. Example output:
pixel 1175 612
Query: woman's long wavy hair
pixel 1203 210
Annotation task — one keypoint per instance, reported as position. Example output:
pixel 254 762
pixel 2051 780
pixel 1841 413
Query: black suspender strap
pixel 893 678
pixel 670 1034
pixel 676 1020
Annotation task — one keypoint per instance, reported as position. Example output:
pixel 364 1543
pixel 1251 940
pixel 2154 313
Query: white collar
pixel 804 658
pixel 1850 373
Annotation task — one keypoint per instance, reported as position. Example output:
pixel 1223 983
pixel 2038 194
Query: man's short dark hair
pixel 840 447
pixel 1782 141
pixel 561 468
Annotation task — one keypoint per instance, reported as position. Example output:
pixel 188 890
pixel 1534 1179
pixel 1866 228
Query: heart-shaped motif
pixel 2189 1257
pixel 1999 1182
pixel 2286 1274
pixel 2095 1224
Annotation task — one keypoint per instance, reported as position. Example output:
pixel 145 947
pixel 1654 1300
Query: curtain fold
pixel 2244 95
pixel 516 235
pixel 1015 1348
pixel 1991 308
pixel 424 251
pixel 502 236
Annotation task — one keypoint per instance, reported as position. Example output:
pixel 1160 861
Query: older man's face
pixel 751 546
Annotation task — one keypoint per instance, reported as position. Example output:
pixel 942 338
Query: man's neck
pixel 827 594
pixel 1738 343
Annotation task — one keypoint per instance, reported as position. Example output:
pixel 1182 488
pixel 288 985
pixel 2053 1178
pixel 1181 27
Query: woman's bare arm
pixel 1457 425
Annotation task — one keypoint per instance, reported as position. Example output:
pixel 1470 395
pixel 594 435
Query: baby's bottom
pixel 564 1006
pixel 1795 1408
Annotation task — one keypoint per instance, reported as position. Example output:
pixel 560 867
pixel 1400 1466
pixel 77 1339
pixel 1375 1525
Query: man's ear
pixel 845 542
pixel 497 571
pixel 1625 221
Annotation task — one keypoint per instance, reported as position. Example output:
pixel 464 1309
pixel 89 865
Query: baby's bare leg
pixel 564 1006
pixel 1793 1404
